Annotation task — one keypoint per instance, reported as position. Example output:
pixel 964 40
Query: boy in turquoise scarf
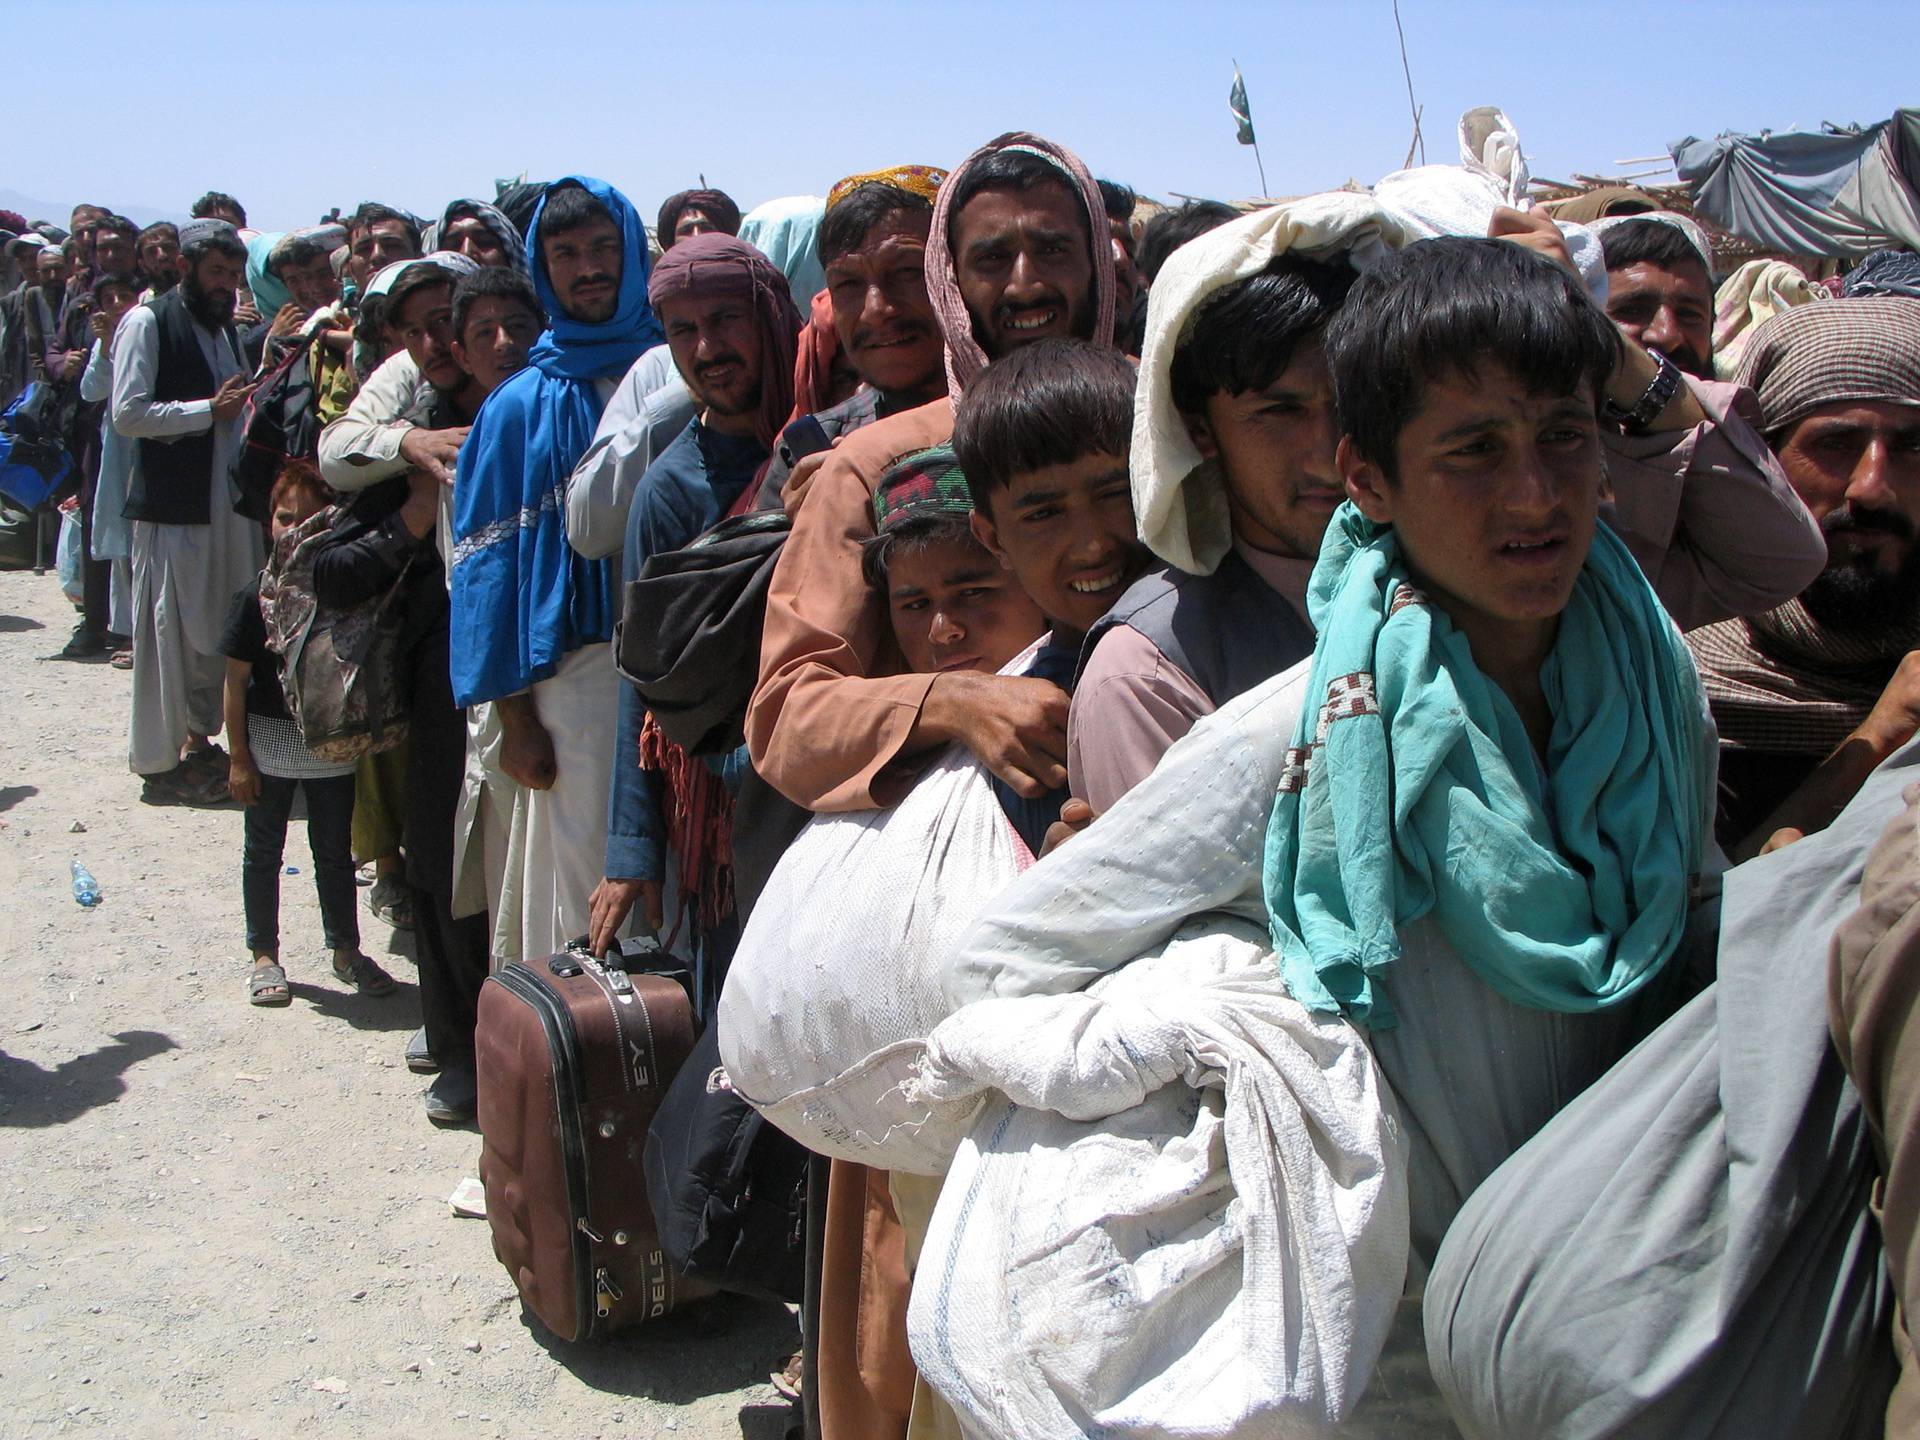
pixel 1493 778
pixel 1502 726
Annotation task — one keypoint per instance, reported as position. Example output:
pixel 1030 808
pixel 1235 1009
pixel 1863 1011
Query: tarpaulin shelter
pixel 1832 193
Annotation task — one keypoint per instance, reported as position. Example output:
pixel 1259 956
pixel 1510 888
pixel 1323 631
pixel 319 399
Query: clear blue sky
pixel 145 105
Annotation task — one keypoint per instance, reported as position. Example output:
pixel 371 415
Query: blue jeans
pixel 329 836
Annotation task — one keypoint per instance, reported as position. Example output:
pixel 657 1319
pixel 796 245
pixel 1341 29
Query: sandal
pixel 122 660
pixel 209 760
pixel 365 976
pixel 268 986
pixel 182 786
pixel 390 902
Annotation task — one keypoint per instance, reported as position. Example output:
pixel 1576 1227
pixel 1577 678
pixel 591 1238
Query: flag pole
pixel 1253 138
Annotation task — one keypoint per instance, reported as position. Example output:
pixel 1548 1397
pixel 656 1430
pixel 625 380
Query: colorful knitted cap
pixel 921 486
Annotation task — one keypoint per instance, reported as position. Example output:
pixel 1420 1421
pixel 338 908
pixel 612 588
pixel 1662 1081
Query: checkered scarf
pixel 1783 683
pixel 1862 348
pixel 965 358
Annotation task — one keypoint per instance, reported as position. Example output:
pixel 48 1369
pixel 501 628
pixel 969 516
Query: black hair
pixel 878 552
pixel 372 213
pixel 419 275
pixel 157 226
pixel 1170 229
pixel 299 250
pixel 569 206
pixel 117 225
pixel 1048 403
pixel 1245 334
pixel 123 279
pixel 1118 199
pixel 1447 307
pixel 214 200
pixel 1650 242
pixel 493 280
pixel 848 224
pixel 1010 170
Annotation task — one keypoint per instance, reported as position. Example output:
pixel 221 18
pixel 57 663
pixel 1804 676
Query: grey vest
pixel 1229 631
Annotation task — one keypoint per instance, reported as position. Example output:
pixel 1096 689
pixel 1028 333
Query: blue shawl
pixel 1412 789
pixel 523 599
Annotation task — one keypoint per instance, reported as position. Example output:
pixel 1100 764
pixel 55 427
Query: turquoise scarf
pixel 1412 788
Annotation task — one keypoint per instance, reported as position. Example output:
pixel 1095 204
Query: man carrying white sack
pixel 1505 925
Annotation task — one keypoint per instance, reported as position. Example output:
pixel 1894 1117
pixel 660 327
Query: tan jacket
pixel 833 711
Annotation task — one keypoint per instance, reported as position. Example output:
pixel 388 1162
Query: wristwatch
pixel 1659 394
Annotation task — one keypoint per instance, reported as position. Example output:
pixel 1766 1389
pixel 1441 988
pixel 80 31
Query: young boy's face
pixel 294 508
pixel 1067 534
pixel 955 608
pixel 495 340
pixel 1275 449
pixel 1496 499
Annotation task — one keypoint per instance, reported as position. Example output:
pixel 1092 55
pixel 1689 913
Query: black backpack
pixel 281 422
pixel 689 634
pixel 728 1190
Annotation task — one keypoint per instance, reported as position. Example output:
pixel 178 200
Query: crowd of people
pixel 1434 597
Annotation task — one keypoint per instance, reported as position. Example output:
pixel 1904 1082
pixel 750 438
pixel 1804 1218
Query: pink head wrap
pixel 965 358
pixel 716 264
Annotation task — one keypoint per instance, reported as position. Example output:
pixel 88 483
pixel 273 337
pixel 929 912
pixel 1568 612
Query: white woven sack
pixel 839 976
pixel 1220 1255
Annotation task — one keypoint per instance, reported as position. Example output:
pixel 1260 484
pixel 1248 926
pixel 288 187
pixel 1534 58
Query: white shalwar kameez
pixel 184 576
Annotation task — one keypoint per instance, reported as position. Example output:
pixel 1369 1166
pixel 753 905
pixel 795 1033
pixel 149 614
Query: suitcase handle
pixel 641 952
pixel 637 954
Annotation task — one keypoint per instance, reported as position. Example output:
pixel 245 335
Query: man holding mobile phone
pixel 179 384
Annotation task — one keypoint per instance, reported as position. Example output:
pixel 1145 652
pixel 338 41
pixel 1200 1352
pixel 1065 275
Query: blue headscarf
pixel 787 232
pixel 523 598
pixel 268 293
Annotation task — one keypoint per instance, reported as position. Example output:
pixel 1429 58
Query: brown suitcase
pixel 574 1057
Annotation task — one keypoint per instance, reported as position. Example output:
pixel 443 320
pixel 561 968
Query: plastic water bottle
pixel 86 889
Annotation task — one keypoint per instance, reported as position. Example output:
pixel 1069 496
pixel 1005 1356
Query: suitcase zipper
pixel 558 1025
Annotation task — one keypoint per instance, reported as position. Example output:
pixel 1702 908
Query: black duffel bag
pixel 728 1191
pixel 689 631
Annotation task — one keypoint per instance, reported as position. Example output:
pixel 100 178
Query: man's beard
pixel 212 308
pixel 1684 360
pixel 1854 597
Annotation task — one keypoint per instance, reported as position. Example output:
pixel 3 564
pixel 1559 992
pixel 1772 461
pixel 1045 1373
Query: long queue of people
pixel 1417 598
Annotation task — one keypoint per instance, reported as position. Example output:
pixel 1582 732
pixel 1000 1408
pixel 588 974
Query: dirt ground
pixel 226 1221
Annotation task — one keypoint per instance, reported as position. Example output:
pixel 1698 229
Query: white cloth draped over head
pixel 1696 237
pixel 1179 499
pixel 1179 496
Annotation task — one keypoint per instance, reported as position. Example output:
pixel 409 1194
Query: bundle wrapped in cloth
pixel 1182 1212
pixel 1179 1203
pixel 840 974
pixel 1690 1249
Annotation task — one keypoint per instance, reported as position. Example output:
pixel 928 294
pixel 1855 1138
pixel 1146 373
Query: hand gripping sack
pixel 1183 1211
pixel 840 973
pixel 340 667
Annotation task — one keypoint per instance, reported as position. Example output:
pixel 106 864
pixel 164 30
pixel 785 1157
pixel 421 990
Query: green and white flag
pixel 1237 103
